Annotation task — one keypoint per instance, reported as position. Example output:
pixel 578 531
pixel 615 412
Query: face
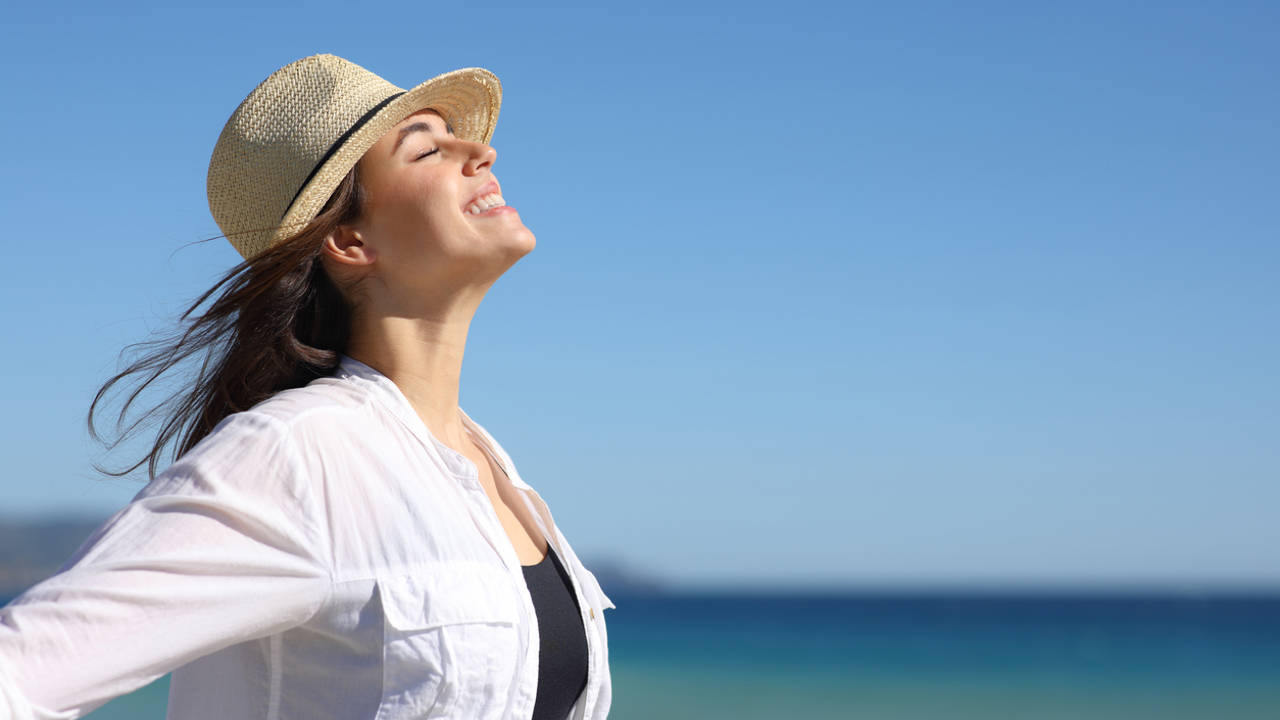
pixel 422 232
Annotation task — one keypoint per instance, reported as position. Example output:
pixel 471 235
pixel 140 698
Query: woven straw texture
pixel 294 138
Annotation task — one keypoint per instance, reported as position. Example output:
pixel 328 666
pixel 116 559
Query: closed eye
pixel 428 153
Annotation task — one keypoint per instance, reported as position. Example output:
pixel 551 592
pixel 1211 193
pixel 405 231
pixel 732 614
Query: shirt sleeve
pixel 227 545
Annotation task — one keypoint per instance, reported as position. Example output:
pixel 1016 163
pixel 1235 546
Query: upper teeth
pixel 488 202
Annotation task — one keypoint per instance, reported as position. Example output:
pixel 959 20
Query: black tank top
pixel 562 640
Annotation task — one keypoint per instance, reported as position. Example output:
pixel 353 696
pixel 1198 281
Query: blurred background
pixel 885 360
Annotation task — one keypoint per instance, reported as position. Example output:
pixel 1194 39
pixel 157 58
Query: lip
pixel 487 188
pixel 501 209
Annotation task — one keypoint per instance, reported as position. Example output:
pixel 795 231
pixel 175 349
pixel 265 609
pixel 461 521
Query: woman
pixel 337 538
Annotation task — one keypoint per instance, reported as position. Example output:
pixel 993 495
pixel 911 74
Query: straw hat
pixel 290 143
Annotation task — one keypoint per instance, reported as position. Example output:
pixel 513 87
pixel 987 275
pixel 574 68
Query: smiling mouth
pixel 485 203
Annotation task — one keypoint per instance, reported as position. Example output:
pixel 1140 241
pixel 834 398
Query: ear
pixel 345 245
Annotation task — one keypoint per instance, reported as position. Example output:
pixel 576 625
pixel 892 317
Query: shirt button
pixel 593 613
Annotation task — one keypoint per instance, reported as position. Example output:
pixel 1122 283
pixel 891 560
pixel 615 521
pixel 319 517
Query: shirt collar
pixel 388 394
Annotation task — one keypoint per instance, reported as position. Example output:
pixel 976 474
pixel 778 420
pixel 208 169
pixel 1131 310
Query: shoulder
pixel 279 431
pixel 316 403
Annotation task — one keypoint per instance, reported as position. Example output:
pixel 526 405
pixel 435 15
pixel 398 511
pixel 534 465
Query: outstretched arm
pixel 227 545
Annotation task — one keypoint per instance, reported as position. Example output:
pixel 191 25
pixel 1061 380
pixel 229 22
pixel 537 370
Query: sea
pixel 927 656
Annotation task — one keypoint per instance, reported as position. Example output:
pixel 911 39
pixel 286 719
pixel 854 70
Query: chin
pixel 525 242
pixel 512 249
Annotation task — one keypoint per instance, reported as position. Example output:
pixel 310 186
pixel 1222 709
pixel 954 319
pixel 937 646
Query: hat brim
pixel 468 99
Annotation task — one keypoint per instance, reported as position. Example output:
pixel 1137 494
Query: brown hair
pixel 278 322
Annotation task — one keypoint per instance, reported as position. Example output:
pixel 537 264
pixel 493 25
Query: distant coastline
pixel 32 549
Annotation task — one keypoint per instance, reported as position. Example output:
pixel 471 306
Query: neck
pixel 423 357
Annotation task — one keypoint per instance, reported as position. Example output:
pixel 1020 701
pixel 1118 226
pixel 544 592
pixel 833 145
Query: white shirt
pixel 320 555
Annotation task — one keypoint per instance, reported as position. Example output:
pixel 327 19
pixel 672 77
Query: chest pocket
pixel 451 641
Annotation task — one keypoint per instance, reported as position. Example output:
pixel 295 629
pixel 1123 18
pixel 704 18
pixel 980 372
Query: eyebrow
pixel 416 127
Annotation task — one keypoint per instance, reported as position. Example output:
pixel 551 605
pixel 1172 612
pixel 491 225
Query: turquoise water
pixel 918 658
pixel 928 657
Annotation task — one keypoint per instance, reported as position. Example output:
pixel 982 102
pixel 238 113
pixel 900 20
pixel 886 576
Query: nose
pixel 481 157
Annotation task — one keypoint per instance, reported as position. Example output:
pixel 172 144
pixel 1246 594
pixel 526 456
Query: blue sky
pixel 843 294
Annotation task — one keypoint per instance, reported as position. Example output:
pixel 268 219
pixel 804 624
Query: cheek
pixel 418 230
pixel 398 210
pixel 412 214
pixel 420 202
